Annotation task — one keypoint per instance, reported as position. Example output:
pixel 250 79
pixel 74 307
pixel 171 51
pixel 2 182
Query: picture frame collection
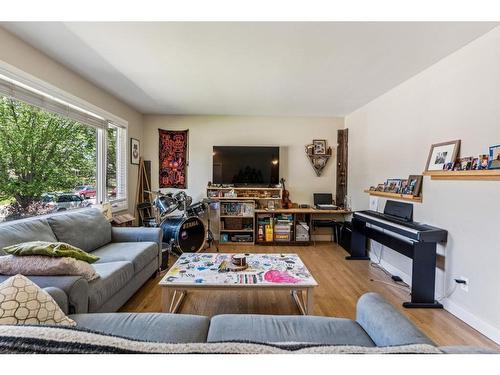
pixel 444 156
pixel 410 186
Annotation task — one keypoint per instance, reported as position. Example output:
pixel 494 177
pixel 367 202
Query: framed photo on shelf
pixel 494 160
pixel 449 166
pixel 393 185
pixel 483 161
pixel 135 151
pixel 464 164
pixel 319 146
pixel 475 164
pixel 404 185
pixel 414 186
pixel 442 154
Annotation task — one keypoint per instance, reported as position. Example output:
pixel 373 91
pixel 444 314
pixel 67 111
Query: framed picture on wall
pixel 319 146
pixel 442 154
pixel 135 151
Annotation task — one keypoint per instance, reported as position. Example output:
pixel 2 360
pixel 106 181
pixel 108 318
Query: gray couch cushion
pixel 60 297
pixel 86 229
pixel 166 328
pixel 139 253
pixel 113 277
pixel 385 325
pixel 12 233
pixel 276 328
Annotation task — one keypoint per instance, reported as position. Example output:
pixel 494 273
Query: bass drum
pixel 186 233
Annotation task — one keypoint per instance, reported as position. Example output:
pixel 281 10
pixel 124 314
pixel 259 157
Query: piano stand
pixel 411 305
pixel 350 257
pixel 422 253
pixel 358 244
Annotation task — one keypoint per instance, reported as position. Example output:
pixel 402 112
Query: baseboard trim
pixel 481 326
pixel 485 328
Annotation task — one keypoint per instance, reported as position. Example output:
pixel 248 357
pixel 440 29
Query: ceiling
pixel 275 69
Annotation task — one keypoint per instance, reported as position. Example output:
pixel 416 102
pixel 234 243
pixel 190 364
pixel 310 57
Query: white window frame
pixel 45 89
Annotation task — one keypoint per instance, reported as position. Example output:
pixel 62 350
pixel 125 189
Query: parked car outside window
pixel 85 191
pixel 64 201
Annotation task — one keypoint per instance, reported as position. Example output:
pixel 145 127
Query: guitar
pixel 285 196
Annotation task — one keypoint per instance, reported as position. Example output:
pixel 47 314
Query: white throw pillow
pixel 39 265
pixel 24 302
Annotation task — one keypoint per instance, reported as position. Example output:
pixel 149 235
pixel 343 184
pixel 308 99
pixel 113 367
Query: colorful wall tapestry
pixel 173 158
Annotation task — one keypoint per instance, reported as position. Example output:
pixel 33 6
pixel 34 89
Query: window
pixel 55 156
pixel 116 165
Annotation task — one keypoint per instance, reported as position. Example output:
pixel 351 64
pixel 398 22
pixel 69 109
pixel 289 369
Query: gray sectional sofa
pixel 378 328
pixel 128 257
pixel 377 324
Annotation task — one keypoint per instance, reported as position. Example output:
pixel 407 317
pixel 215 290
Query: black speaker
pixel 345 236
pixel 165 252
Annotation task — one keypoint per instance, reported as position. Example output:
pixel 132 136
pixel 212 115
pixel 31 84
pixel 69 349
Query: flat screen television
pixel 246 165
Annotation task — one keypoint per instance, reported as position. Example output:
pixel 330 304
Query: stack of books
pixel 283 228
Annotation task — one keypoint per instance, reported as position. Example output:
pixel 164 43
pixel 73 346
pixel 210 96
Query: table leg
pixel 310 301
pixel 298 297
pixel 165 299
pixel 177 300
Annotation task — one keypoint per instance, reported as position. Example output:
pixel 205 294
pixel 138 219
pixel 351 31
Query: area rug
pixel 173 158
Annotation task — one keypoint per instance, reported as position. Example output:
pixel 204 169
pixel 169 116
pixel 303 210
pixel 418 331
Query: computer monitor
pixel 323 198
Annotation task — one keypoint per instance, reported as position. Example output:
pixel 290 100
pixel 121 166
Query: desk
pixel 298 214
pixel 303 211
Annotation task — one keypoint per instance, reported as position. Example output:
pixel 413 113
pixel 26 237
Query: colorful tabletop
pixel 271 270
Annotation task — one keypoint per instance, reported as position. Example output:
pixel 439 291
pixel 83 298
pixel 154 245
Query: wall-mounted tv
pixel 246 165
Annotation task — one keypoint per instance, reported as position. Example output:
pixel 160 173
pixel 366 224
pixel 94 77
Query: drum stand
pixel 210 235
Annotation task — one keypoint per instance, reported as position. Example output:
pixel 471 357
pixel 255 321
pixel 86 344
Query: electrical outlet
pixel 464 287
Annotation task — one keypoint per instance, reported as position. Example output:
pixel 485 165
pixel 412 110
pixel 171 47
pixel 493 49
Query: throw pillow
pixel 38 265
pixel 24 302
pixel 51 249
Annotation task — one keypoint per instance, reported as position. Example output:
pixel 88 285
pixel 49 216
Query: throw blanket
pixel 54 340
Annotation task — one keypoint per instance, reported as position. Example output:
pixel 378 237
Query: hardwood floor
pixel 341 283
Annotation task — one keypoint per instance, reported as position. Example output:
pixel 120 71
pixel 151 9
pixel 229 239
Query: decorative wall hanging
pixel 173 158
pixel 318 155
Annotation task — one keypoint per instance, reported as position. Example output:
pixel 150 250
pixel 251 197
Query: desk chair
pixel 328 223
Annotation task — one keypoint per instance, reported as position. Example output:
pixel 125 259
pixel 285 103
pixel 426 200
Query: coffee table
pixel 200 271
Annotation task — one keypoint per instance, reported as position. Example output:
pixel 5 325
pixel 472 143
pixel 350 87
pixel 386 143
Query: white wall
pixel 19 54
pixel 458 98
pixel 290 133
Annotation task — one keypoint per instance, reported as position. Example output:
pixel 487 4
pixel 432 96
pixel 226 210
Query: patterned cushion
pixel 38 265
pixel 23 302
pixel 51 249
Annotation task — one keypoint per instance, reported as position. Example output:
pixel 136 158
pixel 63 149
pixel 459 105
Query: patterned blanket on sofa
pixel 63 340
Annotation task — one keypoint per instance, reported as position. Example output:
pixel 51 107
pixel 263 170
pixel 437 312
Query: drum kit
pixel 187 232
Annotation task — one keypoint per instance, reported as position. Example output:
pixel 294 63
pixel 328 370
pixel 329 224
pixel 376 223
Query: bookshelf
pixel 262 196
pixel 237 222
pixel 282 227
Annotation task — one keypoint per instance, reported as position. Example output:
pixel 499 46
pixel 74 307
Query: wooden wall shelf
pixel 485 175
pixel 403 197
